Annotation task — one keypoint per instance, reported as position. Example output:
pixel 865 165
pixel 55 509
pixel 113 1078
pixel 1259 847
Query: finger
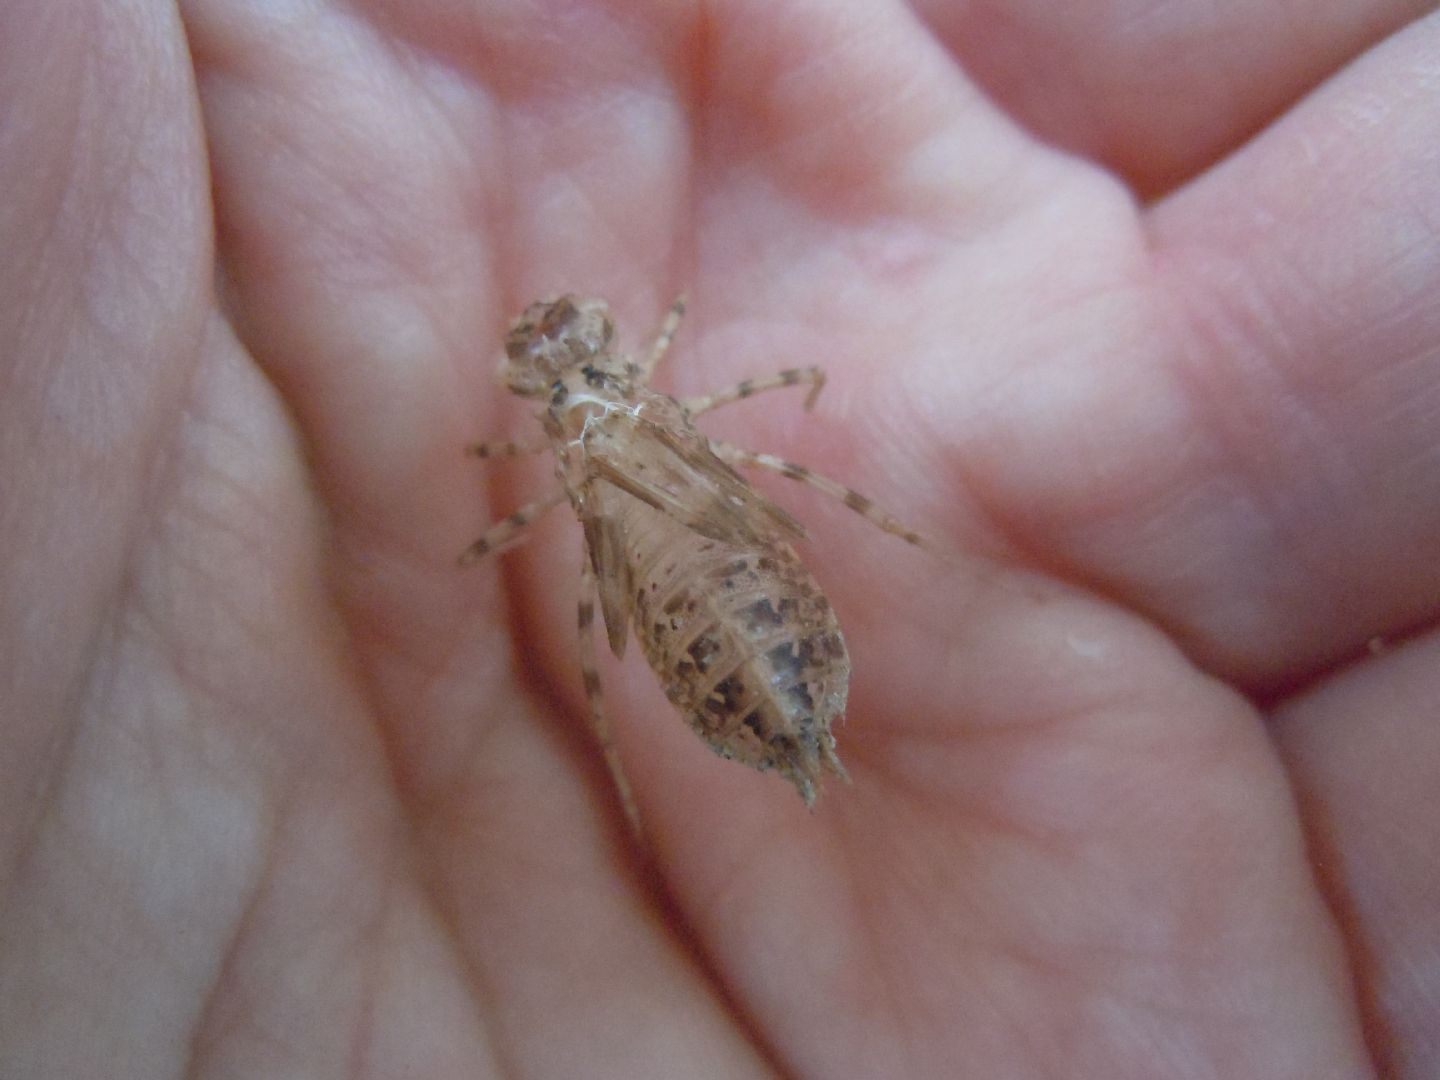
pixel 104 286
pixel 1308 269
pixel 335 198
pixel 1155 92
pixel 1364 749
pixel 853 107
pixel 355 227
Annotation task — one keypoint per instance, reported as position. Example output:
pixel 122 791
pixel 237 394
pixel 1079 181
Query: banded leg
pixel 658 350
pixel 590 676
pixel 862 505
pixel 495 451
pixel 510 526
pixel 789 377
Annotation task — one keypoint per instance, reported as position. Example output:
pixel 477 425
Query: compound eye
pixel 558 316
pixel 541 324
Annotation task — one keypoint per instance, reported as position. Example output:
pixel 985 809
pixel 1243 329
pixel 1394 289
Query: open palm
pixel 284 792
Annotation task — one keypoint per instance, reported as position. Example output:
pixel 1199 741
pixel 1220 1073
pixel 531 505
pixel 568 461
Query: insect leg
pixel 662 340
pixel 861 504
pixel 497 450
pixel 789 377
pixel 507 528
pixel 590 676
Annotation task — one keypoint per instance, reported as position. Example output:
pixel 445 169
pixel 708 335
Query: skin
pixel 284 792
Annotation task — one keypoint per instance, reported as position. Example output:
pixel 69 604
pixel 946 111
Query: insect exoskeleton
pixel 680 547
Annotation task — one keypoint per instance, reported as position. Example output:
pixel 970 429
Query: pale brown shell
pixel 681 547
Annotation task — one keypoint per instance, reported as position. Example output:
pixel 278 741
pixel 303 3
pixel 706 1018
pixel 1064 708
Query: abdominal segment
pixel 744 644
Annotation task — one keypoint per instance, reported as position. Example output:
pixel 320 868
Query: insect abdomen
pixel 744 643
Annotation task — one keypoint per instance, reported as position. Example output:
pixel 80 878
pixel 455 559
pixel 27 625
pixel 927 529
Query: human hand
pixel 285 792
